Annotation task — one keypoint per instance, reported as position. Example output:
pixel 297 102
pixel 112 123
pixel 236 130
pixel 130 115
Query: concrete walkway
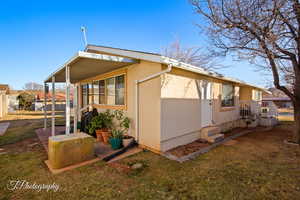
pixel 3 127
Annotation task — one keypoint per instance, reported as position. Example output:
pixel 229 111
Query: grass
pixel 259 166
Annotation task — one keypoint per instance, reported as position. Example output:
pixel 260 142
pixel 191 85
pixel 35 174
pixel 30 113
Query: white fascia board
pixel 105 57
pixel 127 53
pixel 82 54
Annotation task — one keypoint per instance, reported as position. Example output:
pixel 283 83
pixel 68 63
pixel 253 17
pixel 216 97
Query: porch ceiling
pixel 85 65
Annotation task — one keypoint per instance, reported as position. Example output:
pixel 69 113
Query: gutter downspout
pixel 137 82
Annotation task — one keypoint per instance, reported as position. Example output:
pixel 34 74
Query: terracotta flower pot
pixel 99 135
pixel 105 136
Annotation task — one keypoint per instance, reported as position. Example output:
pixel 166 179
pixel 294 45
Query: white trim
pixel 53 107
pixel 68 109
pixel 81 54
pixel 45 107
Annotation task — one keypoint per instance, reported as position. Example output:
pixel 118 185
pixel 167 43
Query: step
pixel 209 131
pixel 215 138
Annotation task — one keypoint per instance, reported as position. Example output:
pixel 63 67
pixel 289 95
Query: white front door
pixel 206 103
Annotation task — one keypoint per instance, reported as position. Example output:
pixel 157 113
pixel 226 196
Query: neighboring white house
pixel 4 90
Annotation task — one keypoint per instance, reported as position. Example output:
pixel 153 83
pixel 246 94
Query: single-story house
pixel 4 90
pixel 168 102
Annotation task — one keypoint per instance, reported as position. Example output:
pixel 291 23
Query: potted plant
pixel 96 126
pixel 127 139
pixel 107 123
pixel 124 124
pixel 116 139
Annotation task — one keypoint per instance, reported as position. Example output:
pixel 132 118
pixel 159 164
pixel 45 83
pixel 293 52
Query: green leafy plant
pixel 123 121
pixel 96 123
pixel 117 134
pixel 107 119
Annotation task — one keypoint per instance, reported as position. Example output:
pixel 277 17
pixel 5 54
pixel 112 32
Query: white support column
pixel 75 107
pixel 68 113
pixel 45 106
pixel 53 107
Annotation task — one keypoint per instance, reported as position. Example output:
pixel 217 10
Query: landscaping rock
pixel 2 149
pixel 33 144
pixel 137 166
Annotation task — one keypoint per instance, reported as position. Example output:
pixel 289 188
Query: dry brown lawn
pixel 258 166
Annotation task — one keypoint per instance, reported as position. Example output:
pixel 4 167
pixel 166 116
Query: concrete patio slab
pixel 43 135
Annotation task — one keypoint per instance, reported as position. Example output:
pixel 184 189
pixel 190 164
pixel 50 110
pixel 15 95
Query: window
pixel 102 92
pixel 84 92
pixel 120 90
pixel 96 92
pixel 256 95
pixel 110 91
pixel 227 95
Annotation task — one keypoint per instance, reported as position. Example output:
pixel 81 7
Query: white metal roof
pixel 153 57
pixel 122 57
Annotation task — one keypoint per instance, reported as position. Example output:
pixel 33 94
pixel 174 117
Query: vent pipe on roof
pixel 83 29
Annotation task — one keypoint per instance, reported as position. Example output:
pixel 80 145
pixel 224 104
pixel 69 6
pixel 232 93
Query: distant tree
pixel 25 100
pixel 32 86
pixel 191 55
pixel 265 32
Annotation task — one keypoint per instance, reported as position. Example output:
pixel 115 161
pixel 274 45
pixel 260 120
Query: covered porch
pixel 74 74
pixel 81 67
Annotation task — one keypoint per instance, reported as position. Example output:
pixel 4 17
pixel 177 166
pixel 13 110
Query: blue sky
pixel 37 37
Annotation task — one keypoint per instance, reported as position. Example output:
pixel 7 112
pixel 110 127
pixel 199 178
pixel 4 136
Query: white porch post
pixel 53 107
pixel 45 106
pixel 75 107
pixel 68 99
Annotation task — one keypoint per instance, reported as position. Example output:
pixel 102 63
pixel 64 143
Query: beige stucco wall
pixel 181 108
pixel 245 93
pixel 170 107
pixel 149 102
pixel 222 115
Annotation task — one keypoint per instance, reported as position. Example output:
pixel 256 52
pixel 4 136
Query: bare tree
pixel 262 31
pixel 191 55
pixel 32 86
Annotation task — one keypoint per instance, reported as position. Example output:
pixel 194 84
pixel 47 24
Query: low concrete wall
pixel 65 150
